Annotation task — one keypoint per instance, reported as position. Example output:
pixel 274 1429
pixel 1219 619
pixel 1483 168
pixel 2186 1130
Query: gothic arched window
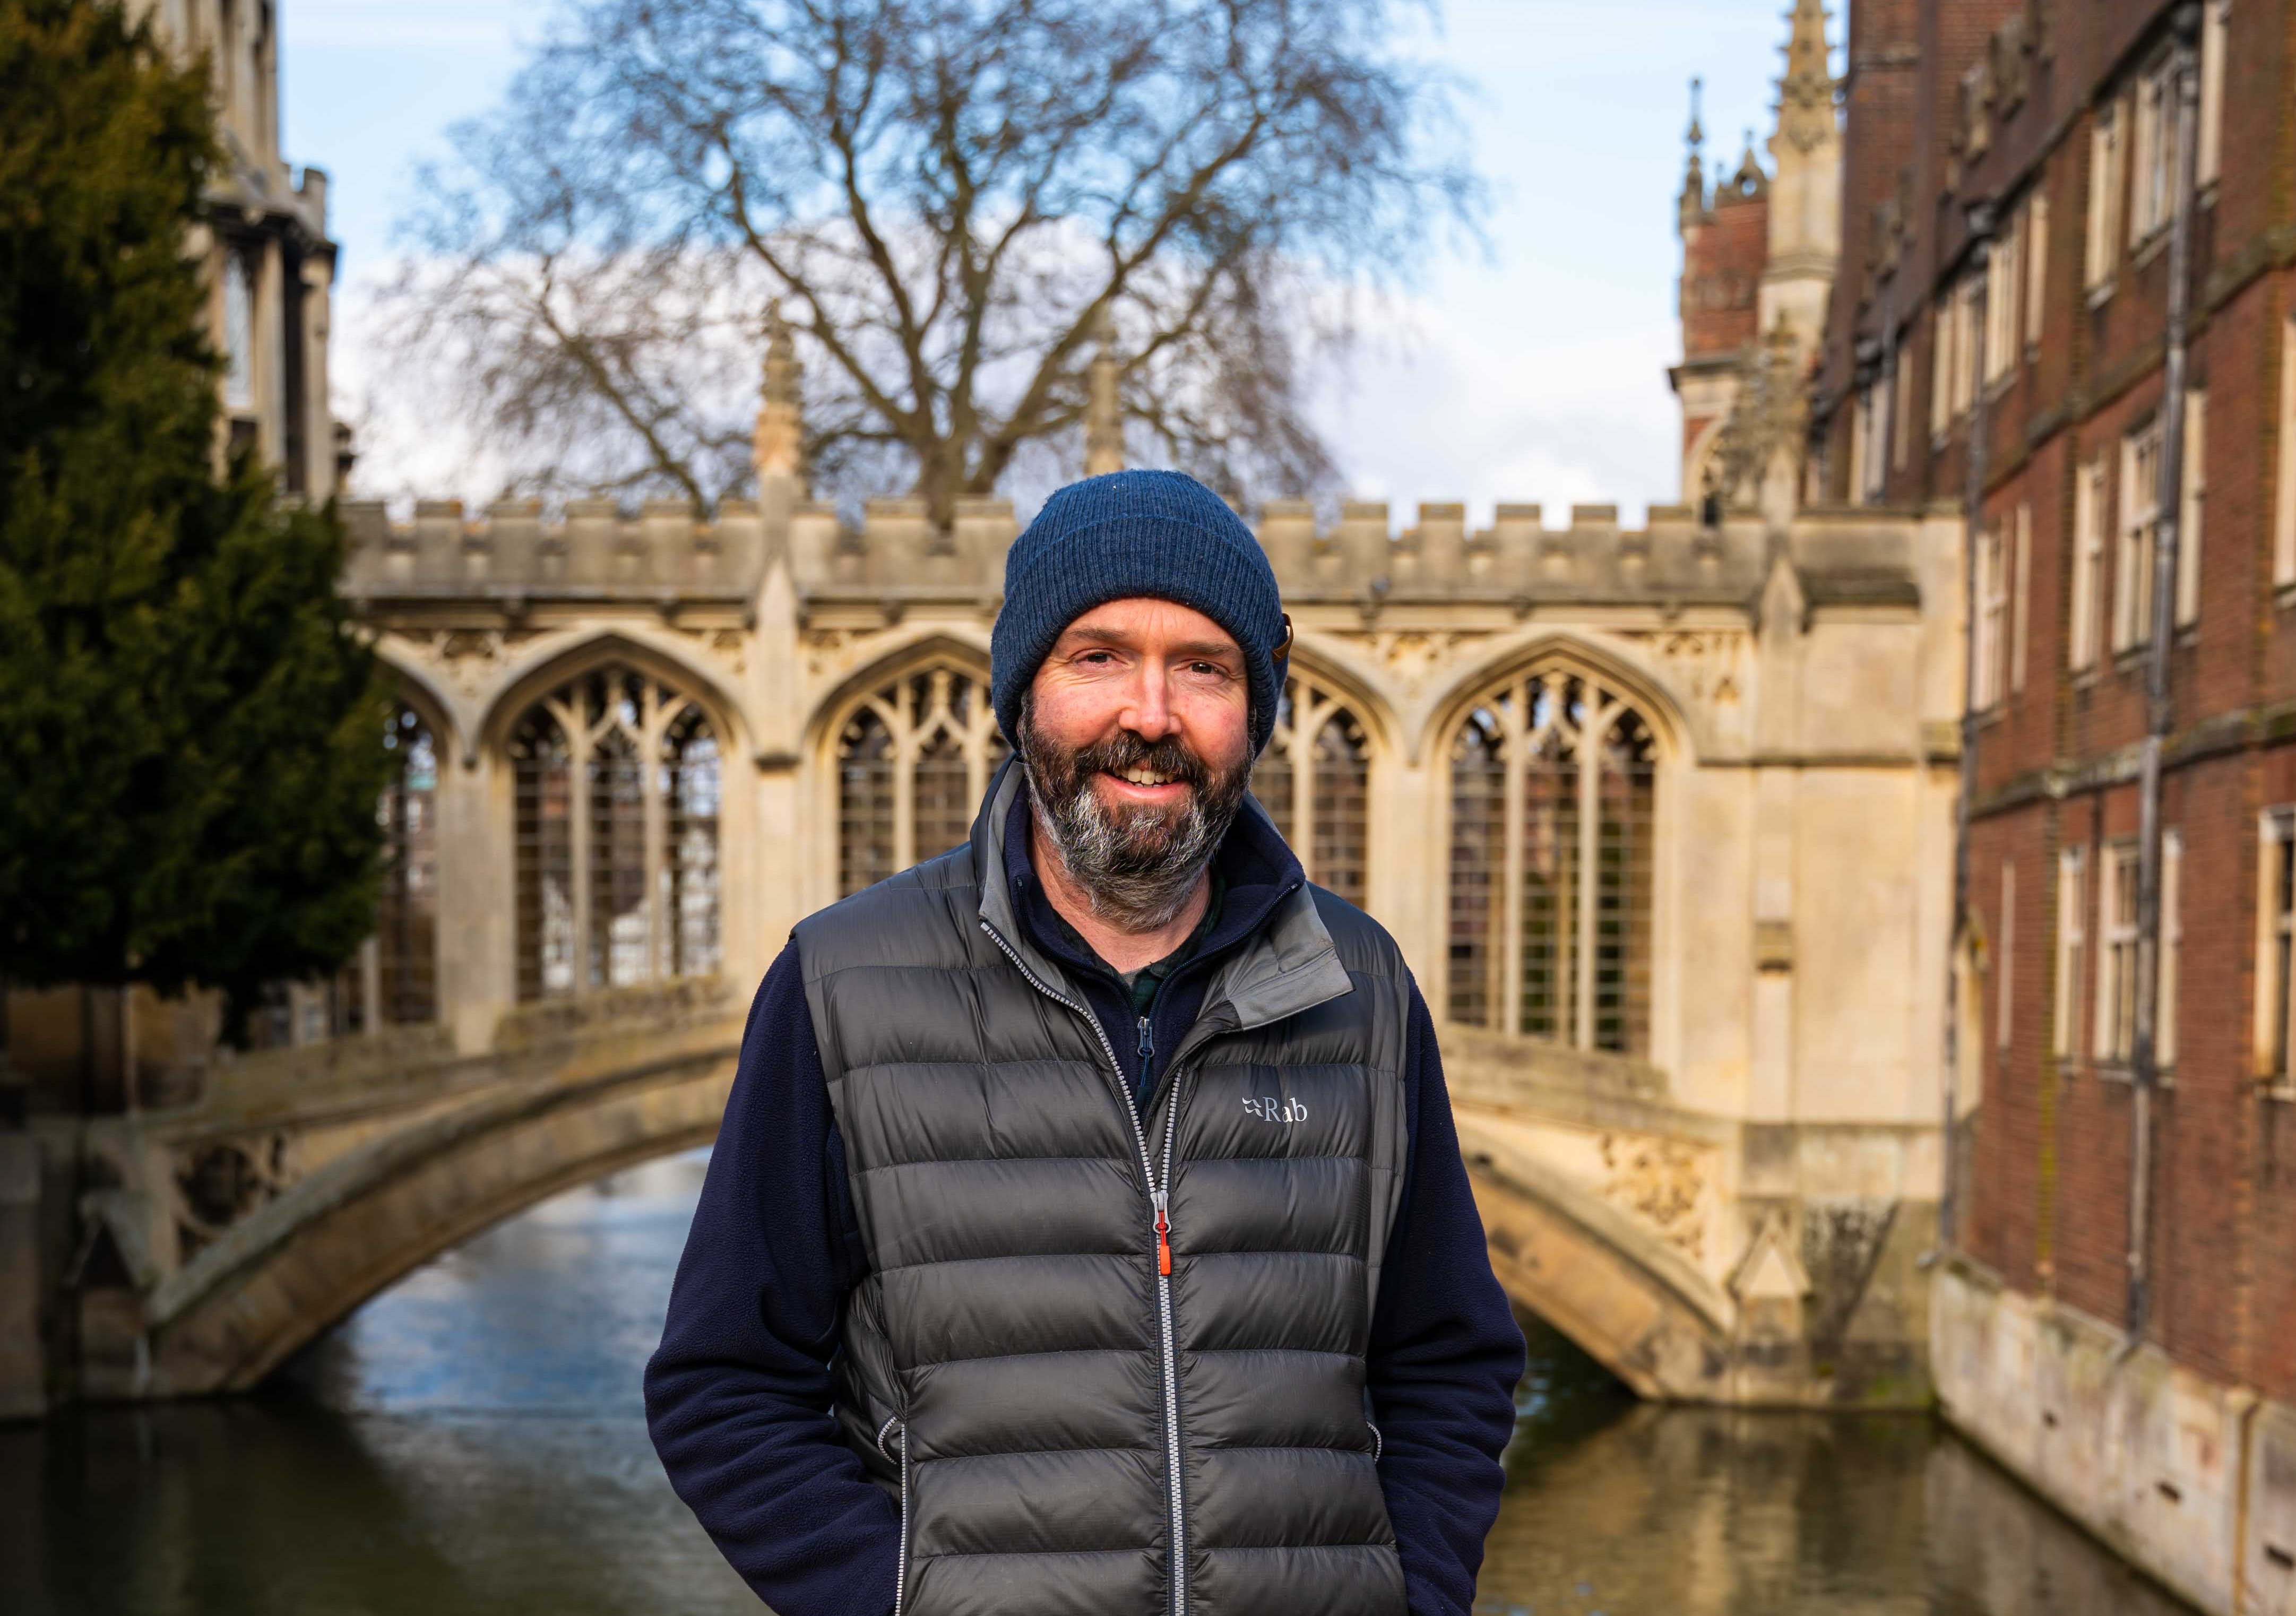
pixel 1554 786
pixel 913 763
pixel 617 797
pixel 406 918
pixel 1314 782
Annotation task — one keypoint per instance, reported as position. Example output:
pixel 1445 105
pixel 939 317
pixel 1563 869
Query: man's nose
pixel 1148 713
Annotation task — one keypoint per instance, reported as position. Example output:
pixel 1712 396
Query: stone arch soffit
pixel 555 666
pixel 436 709
pixel 1335 674
pixel 1669 724
pixel 429 1200
pixel 933 650
pixel 1638 1307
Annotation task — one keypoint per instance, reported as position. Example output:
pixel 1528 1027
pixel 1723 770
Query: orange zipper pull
pixel 1163 1236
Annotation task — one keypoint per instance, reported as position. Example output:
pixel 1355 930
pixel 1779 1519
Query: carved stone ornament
pixel 1660 1181
pixel 1704 664
pixel 219 1183
pixel 1410 656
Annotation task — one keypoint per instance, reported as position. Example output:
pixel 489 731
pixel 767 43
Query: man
pixel 1087 1233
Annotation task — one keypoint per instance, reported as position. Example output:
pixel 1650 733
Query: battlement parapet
pixel 596 551
pixel 665 550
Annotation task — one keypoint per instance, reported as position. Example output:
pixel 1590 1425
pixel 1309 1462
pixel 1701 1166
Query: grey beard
pixel 1137 869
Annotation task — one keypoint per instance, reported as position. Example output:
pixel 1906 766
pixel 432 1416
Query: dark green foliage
pixel 191 736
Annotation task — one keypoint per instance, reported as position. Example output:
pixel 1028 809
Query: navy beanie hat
pixel 1158 534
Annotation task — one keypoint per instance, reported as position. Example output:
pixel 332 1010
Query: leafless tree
pixel 952 199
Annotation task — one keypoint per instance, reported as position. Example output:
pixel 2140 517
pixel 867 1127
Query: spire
pixel 1693 178
pixel 780 442
pixel 1103 423
pixel 1806 117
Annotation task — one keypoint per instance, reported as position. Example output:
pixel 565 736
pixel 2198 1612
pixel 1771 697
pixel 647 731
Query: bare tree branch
pixel 950 196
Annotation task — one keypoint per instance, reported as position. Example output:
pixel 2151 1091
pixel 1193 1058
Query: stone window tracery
pixel 618 781
pixel 1553 799
pixel 913 760
pixel 1314 779
pixel 407 919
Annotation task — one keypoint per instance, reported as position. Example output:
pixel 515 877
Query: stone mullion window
pixel 394 980
pixel 1314 780
pixel 1340 838
pixel 1575 774
pixel 913 760
pixel 602 891
pixel 1478 774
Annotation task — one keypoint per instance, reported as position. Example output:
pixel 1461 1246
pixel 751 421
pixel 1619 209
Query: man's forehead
pixel 1136 619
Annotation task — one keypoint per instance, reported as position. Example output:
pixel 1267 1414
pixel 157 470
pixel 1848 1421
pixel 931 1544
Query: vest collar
pixel 1288 964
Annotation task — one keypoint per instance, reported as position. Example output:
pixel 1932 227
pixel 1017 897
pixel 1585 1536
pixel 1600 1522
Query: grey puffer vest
pixel 1075 1422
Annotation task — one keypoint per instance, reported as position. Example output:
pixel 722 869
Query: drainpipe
pixel 1979 217
pixel 2145 1066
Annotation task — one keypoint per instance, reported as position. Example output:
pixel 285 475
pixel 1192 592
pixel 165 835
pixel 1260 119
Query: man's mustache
pixel 1125 750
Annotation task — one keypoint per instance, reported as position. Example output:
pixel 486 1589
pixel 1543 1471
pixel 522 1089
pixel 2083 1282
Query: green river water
pixel 471 1444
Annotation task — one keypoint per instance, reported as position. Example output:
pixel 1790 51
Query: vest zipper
pixel 901 1560
pixel 1159 1197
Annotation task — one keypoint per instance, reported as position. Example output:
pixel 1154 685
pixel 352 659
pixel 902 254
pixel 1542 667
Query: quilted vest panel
pixel 1054 1411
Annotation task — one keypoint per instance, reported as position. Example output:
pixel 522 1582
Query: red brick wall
pixel 2048 1203
pixel 1723 260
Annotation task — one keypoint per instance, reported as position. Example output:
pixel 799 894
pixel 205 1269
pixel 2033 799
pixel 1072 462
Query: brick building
pixel 2019 179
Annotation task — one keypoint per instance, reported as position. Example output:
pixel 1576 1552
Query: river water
pixel 471 1444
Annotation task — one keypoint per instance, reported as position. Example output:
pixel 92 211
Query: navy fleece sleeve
pixel 1445 1355
pixel 737 1396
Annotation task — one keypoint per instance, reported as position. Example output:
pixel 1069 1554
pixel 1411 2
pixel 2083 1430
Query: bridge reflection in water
pixel 470 1444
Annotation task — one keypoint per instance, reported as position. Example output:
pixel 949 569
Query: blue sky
pixel 1533 372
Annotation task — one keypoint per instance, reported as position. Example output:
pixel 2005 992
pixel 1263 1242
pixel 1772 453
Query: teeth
pixel 1143 776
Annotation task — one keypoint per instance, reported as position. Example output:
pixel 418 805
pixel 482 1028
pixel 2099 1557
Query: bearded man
pixel 1087 1235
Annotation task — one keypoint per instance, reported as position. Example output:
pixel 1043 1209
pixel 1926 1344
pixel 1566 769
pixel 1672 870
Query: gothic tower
pixel 1758 251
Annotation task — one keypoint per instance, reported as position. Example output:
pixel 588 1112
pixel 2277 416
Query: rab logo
pixel 1273 1109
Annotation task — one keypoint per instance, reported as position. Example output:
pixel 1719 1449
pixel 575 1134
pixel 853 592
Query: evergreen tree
pixel 191 733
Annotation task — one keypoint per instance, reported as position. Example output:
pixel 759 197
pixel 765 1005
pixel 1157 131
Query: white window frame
pixel 2192 506
pixel 2105 155
pixel 2002 278
pixel 1901 413
pixel 2275 944
pixel 2283 509
pixel 2113 1040
pixel 2020 597
pixel 2140 534
pixel 1964 369
pixel 2172 949
pixel 2005 966
pixel 2153 152
pixel 1941 363
pixel 2089 563
pixel 1992 616
pixel 2037 266
pixel 2215 37
pixel 2072 951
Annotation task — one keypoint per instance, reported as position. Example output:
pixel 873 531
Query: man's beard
pixel 1137 866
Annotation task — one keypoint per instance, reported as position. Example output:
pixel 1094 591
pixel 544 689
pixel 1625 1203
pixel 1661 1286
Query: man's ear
pixel 1282 652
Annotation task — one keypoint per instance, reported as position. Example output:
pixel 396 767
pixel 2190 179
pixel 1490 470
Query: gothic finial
pixel 1692 204
pixel 1103 422
pixel 779 445
pixel 1806 115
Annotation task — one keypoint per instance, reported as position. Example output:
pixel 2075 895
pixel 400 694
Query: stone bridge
pixel 1682 1250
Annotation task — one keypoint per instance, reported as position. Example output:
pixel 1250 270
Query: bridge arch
pixel 1631 1301
pixel 304 1261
